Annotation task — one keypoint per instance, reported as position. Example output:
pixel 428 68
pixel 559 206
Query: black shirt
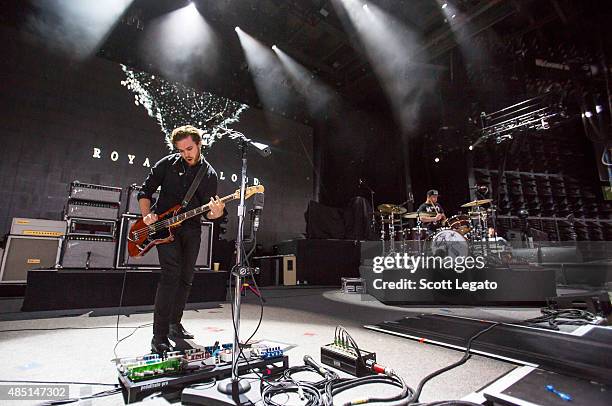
pixel 175 177
pixel 431 208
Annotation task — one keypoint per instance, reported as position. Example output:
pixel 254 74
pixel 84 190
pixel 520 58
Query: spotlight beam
pixel 461 30
pixel 182 44
pixel 273 87
pixel 77 28
pixel 391 49
pixel 317 96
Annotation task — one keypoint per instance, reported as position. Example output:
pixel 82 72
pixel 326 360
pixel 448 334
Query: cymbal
pixel 477 203
pixel 388 208
pixel 416 214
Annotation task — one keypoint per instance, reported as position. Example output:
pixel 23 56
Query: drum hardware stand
pixel 403 243
pixel 373 219
pixel 392 234
pixel 419 242
pixel 382 236
pixel 494 223
pixel 389 215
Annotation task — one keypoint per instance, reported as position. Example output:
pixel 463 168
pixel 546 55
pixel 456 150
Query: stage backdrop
pixel 63 121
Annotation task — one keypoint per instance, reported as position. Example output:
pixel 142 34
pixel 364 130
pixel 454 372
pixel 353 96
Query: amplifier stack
pixel 31 244
pixel 91 236
pixel 150 259
pixel 92 212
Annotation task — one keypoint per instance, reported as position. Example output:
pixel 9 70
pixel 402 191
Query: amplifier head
pixel 91 227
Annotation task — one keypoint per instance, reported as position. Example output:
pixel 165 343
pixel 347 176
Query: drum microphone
pixel 258 203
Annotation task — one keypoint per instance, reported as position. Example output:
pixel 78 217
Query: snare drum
pixel 460 223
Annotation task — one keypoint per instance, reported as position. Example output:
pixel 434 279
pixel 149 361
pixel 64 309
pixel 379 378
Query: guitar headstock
pixel 250 191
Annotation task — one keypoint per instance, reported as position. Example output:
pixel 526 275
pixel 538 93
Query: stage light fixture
pixel 274 47
pixel 365 7
pixel 599 109
pixel 453 16
pixel 444 5
pixel 471 147
pixel 436 159
pixel 588 114
pixel 237 29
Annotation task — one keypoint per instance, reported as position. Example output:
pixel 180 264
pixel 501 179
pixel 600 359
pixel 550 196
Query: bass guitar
pixel 142 237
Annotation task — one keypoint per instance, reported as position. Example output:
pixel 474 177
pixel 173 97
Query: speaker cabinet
pixel 88 252
pixel 132 205
pixel 23 253
pixel 150 259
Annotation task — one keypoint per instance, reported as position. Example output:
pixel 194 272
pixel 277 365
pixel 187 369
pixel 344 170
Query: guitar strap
pixel 194 185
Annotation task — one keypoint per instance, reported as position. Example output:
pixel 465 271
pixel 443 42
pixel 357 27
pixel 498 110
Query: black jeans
pixel 177 260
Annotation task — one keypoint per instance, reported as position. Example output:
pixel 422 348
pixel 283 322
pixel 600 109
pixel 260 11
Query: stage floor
pixel 77 345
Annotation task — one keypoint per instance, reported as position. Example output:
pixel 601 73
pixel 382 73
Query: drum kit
pixel 462 231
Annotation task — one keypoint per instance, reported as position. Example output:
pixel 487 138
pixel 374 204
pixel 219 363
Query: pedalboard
pixel 346 359
pixel 143 375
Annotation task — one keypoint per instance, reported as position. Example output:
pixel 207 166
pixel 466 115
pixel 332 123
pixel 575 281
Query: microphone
pixel 312 363
pixel 480 187
pixel 258 204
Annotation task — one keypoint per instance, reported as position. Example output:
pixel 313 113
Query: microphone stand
pixel 373 219
pixel 237 387
pixel 232 391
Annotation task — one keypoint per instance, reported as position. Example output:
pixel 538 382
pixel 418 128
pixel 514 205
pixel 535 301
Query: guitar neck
pixel 198 210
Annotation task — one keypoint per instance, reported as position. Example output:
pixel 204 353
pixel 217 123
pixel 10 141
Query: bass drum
pixel 460 223
pixel 448 243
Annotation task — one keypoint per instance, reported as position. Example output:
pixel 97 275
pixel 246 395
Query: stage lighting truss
pixel 536 114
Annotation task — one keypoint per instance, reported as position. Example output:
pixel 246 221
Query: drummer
pixel 431 206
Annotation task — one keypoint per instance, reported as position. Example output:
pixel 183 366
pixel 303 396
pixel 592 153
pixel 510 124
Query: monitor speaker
pixel 24 253
pixel 150 259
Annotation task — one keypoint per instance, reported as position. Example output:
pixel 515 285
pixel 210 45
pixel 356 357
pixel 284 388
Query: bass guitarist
pixel 175 174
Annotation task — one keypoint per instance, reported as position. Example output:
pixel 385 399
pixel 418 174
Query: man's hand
pixel 216 208
pixel 439 217
pixel 150 218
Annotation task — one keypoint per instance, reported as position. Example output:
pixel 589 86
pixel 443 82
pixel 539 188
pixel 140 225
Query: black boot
pixel 160 345
pixel 178 331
